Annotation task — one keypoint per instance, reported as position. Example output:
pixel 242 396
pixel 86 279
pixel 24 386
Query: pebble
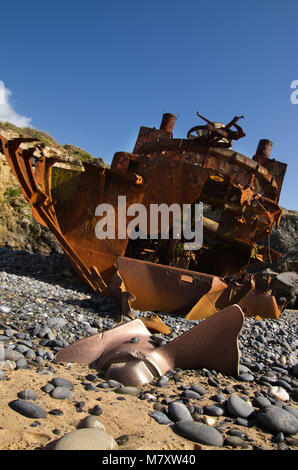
pixel 238 407
pixel 209 420
pixel 47 388
pixel 278 393
pixel 235 441
pixel 86 439
pixel 62 393
pixel 291 409
pixel 246 378
pixel 4 309
pixel 114 383
pixel 213 410
pixel 177 411
pixel 122 440
pixel 162 381
pixel 161 418
pixel 21 363
pixel 12 355
pixel 96 410
pixel 236 432
pixel 197 432
pixel 260 402
pixel 279 437
pixel 200 389
pixel 56 412
pixel 8 365
pixel 60 382
pixel 27 394
pixel 91 422
pixel 275 419
pixel 191 394
pixel 134 391
pixel 28 409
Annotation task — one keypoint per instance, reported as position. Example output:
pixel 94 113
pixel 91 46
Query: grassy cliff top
pixel 10 131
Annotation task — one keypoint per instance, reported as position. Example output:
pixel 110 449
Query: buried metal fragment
pixel 212 344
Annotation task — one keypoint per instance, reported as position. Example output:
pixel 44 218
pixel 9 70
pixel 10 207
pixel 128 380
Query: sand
pixel 130 416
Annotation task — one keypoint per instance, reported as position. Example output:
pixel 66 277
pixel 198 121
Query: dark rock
pixel 163 381
pixel 260 402
pixel 121 440
pixel 236 441
pixel 199 389
pixel 60 382
pixel 177 411
pixel 213 410
pixel 238 407
pixel 161 418
pixel 62 393
pixel 27 394
pixel 197 432
pixel 56 412
pixel 275 419
pixel 28 409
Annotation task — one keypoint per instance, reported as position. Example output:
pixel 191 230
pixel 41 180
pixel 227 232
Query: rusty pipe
pixel 168 122
pixel 264 149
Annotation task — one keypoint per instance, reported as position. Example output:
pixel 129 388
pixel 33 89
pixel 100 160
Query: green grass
pixel 47 140
pixel 12 192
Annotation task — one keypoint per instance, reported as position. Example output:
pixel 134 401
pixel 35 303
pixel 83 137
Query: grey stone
pixel 213 410
pixel 28 409
pixel 62 393
pixel 160 418
pixel 162 381
pixel 238 407
pixel 56 322
pixel 91 422
pixel 197 432
pixel 291 409
pixel 21 363
pixel 177 411
pixel 128 391
pixel 236 441
pixel 60 382
pixel 199 389
pixel 114 383
pixel 260 402
pixel 27 394
pixel 47 388
pixel 12 355
pixel 86 439
pixel 275 419
pixel 246 378
pixel 191 394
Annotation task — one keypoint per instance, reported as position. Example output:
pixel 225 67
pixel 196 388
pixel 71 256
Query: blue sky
pixel 91 73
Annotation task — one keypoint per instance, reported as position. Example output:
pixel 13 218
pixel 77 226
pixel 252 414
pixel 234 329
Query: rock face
pixel 284 238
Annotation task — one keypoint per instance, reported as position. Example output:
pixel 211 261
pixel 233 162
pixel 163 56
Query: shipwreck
pixel 240 195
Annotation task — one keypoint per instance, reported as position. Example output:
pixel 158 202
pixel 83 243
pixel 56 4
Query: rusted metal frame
pixel 224 154
pixel 39 199
pixel 10 148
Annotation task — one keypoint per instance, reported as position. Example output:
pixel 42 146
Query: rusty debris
pixel 240 195
pixel 212 344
